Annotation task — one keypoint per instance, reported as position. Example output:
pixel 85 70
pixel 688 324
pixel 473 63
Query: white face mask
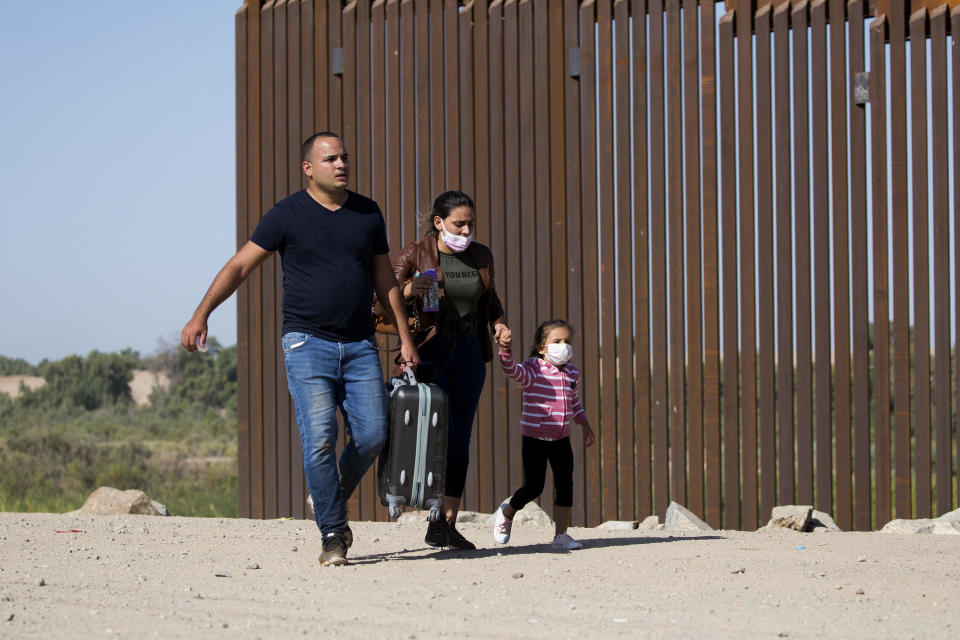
pixel 456 243
pixel 558 353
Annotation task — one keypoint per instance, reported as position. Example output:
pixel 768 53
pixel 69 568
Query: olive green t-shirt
pixel 462 288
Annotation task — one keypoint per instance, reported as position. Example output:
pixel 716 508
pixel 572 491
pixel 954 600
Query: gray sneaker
pixel 565 542
pixel 502 526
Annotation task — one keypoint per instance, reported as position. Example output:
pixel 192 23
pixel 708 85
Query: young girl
pixel 550 403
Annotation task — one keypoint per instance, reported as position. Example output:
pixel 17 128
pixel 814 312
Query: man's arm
pixel 388 292
pixel 231 276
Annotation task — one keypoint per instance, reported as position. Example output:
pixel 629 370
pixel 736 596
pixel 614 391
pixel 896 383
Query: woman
pixel 455 358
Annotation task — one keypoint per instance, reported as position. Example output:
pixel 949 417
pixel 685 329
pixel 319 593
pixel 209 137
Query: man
pixel 333 250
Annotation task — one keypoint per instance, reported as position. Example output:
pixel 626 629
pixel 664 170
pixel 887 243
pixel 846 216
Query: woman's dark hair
pixel 442 206
pixel 541 334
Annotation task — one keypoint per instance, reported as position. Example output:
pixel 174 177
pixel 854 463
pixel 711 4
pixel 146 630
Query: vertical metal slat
pixel 588 208
pixel 841 262
pixel 692 211
pixel 658 264
pixel 748 313
pixel 641 264
pixel 860 299
pixel 901 268
pixel 802 224
pixel 821 260
pixel 766 375
pixel 881 307
pixel 729 260
pixel 711 269
pixel 786 437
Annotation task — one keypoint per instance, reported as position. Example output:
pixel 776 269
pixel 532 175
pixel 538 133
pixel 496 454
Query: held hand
pixel 420 285
pixel 588 437
pixel 408 356
pixel 504 337
pixel 195 328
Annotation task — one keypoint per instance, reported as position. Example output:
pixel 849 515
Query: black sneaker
pixel 457 541
pixel 348 537
pixel 438 533
pixel 334 549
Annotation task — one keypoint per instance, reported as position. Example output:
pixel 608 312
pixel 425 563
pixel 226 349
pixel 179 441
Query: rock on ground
pixel 821 522
pixel 619 525
pixel 679 518
pixel 947 524
pixel 923 526
pixel 107 501
pixel 790 517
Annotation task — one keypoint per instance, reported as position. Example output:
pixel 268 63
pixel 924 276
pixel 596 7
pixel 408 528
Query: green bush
pixel 199 382
pixel 81 431
pixel 76 383
pixel 17 367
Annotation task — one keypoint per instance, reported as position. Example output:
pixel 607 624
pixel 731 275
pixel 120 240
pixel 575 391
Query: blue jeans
pixel 323 375
pixel 455 363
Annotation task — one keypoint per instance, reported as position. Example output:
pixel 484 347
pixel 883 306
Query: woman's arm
pixel 494 307
pixel 404 267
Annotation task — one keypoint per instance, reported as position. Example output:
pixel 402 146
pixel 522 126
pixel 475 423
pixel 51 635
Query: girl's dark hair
pixel 541 334
pixel 442 206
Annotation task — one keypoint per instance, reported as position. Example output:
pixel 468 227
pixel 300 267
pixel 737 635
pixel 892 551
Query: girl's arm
pixel 522 374
pixel 580 417
pixel 588 436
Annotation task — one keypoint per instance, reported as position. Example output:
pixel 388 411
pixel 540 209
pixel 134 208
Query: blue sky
pixel 117 172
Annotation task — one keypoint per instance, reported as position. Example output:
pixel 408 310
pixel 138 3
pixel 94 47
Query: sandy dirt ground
pixel 141 385
pixel 142 576
pixel 10 385
pixel 144 382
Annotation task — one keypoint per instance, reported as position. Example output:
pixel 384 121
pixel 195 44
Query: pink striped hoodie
pixel 550 399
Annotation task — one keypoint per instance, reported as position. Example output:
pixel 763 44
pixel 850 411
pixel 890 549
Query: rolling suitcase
pixel 413 461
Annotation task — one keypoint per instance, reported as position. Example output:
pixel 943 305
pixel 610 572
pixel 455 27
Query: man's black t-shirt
pixel 327 260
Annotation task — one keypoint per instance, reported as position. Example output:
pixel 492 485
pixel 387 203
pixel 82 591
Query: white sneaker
pixel 501 526
pixel 565 542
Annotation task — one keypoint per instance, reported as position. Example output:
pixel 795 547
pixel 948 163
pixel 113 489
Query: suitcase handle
pixel 405 377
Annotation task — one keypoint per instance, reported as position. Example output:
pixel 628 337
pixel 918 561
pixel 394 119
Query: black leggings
pixel 455 363
pixel 536 453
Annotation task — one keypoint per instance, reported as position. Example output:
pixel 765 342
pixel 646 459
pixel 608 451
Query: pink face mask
pixel 456 243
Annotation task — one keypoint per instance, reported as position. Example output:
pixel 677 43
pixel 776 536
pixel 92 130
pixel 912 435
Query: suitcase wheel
pixel 434 514
pixel 406 417
pixel 395 510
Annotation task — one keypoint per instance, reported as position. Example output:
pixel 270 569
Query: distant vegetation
pixel 19 367
pixel 82 430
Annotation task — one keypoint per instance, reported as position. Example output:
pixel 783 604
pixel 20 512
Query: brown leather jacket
pixel 417 256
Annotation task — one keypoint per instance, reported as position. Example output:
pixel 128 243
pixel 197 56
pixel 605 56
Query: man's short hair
pixel 308 143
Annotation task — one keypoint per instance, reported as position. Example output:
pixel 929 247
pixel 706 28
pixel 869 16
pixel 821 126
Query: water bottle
pixel 431 297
